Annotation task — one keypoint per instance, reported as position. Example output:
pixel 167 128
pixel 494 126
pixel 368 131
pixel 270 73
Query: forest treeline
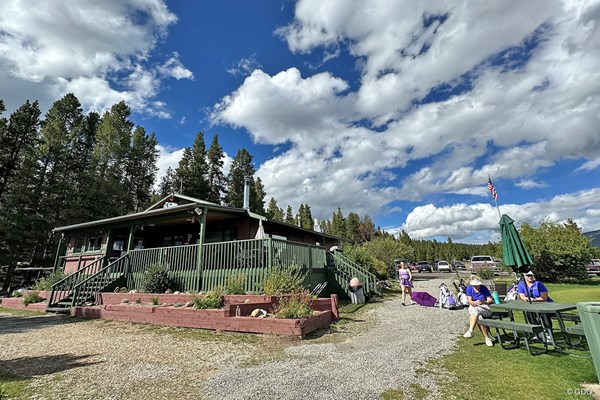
pixel 70 167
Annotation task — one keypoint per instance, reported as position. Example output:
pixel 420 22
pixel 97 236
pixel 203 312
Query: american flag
pixel 492 189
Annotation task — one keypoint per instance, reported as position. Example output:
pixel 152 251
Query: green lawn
pixel 484 372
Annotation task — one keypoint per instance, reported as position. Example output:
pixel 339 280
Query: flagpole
pixel 498 208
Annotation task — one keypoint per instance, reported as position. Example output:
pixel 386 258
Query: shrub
pixel 297 305
pixel 235 284
pixel 123 290
pixel 32 297
pixel 154 301
pixel 213 299
pixel 156 279
pixel 47 282
pixel 484 271
pixel 17 293
pixel 284 280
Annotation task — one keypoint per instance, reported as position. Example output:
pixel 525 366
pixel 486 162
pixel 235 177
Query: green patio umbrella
pixel 514 252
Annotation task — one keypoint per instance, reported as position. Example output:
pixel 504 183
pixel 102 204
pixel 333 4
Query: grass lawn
pixel 495 373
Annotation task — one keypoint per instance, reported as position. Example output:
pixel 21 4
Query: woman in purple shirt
pixel 536 291
pixel 479 298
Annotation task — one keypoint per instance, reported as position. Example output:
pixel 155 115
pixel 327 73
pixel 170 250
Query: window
pixel 94 243
pixel 118 245
pixel 79 241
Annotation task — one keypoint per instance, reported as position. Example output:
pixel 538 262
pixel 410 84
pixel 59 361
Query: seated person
pixel 537 292
pixel 479 297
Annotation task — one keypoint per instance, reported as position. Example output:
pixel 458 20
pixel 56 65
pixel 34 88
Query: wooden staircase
pixel 81 286
pixel 345 269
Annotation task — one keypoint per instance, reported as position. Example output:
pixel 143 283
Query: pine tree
pixel 366 229
pixel 193 170
pixel 241 167
pixel 216 178
pixel 273 212
pixel 352 227
pixel 113 146
pixel 167 184
pixel 141 168
pixel 17 136
pixel 257 197
pixel 289 216
pixel 306 219
pixel 338 226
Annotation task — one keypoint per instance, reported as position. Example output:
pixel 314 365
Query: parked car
pixel 593 267
pixel 443 266
pixel 459 265
pixel 423 266
pixel 484 261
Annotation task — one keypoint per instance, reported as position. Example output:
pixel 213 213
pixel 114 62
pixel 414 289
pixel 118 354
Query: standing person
pixel 405 282
pixel 479 298
pixel 537 292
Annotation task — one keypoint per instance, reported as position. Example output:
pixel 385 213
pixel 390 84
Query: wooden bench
pixel 520 330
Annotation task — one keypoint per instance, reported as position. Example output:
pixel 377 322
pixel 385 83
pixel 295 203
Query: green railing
pixel 180 260
pixel 347 269
pixel 64 288
pixel 86 289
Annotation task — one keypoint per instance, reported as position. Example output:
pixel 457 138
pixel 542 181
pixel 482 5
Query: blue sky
pixel 395 109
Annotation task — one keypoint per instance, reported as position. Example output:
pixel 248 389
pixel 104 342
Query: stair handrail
pixel 343 263
pixel 85 289
pixel 70 281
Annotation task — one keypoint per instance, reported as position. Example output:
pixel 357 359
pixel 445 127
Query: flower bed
pixel 17 303
pixel 217 319
pixel 171 298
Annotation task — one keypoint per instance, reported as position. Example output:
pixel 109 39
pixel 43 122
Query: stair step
pixel 59 310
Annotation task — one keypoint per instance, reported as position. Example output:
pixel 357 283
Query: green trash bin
pixel 590 318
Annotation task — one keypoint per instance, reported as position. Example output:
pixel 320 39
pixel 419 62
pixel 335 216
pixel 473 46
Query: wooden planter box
pixel 16 303
pixel 182 298
pixel 206 319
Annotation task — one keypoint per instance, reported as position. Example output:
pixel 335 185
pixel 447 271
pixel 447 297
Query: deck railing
pixel 85 289
pixel 64 287
pixel 180 260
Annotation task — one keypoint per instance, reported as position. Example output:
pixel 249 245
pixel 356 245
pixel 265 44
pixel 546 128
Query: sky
pixel 396 109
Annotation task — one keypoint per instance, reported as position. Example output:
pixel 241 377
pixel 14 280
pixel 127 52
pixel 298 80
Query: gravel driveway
pixel 66 358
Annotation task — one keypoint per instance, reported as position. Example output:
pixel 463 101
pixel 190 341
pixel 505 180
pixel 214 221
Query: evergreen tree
pixel 109 161
pixel 167 184
pixel 257 197
pixel 241 167
pixel 338 226
pixel 273 212
pixel 216 178
pixel 366 229
pixel 17 137
pixel 352 227
pixel 193 170
pixel 289 216
pixel 305 217
pixel 141 168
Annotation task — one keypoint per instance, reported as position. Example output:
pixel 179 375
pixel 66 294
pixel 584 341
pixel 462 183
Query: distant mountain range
pixel 594 237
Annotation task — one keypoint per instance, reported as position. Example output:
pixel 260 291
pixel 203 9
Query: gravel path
pixel 66 358
pixel 386 356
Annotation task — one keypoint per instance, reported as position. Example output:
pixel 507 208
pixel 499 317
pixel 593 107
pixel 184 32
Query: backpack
pixel 512 294
pixel 446 298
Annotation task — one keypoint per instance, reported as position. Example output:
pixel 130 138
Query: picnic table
pixel 553 309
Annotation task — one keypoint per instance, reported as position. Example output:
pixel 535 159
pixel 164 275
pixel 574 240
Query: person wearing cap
pixel 537 292
pixel 479 298
pixel 532 289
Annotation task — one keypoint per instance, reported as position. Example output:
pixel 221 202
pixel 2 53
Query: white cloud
pixel 589 165
pixel 74 46
pixel 529 99
pixel 461 221
pixel 245 66
pixel 530 184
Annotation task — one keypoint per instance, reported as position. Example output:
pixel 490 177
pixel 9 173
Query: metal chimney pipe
pixel 246 193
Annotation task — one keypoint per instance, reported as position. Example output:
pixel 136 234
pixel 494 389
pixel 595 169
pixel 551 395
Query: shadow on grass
pixel 21 324
pixel 27 367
